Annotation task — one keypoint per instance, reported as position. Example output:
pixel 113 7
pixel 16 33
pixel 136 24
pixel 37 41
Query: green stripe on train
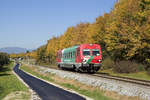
pixel 90 59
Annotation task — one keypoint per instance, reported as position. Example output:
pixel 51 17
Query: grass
pixel 9 83
pixel 93 92
pixel 96 95
pixel 138 75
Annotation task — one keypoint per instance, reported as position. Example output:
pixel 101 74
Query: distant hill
pixel 16 50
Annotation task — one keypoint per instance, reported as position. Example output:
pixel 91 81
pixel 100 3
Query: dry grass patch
pixel 111 94
pixel 120 97
pixel 18 95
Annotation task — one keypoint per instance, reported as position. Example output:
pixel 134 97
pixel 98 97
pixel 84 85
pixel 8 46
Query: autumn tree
pixel 124 34
pixel 41 54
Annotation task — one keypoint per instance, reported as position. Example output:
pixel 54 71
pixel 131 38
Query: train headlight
pixel 99 60
pixel 83 60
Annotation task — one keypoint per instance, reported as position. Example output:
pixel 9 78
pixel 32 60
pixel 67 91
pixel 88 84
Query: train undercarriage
pixel 85 68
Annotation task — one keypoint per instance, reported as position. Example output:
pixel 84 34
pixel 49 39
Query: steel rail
pixel 118 78
pixel 125 79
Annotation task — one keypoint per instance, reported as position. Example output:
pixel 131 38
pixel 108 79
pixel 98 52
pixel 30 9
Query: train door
pixel 78 56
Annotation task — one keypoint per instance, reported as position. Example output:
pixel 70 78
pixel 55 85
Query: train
pixel 81 58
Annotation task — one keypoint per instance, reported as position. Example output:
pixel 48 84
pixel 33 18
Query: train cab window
pixel 86 52
pixel 95 52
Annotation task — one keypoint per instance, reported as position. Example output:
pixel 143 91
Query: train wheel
pixel 58 66
pixel 91 71
pixel 76 69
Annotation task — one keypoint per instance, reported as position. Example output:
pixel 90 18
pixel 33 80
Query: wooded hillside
pixel 124 34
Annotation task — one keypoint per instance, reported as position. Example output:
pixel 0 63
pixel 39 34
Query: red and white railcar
pixel 84 57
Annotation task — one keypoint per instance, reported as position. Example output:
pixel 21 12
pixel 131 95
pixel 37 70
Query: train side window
pixel 67 55
pixel 74 53
pixel 71 54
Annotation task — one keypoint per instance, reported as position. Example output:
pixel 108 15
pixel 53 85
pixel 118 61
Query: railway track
pixel 125 79
pixel 118 78
pixel 121 85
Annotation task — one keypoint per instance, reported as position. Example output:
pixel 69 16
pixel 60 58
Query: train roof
pixel 74 47
pixel 71 48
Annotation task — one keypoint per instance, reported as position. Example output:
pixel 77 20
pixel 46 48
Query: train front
pixel 91 57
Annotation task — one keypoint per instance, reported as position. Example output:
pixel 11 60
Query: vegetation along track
pixel 119 78
pixel 125 79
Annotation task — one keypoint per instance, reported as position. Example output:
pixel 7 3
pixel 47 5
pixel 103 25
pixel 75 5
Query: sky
pixel 30 23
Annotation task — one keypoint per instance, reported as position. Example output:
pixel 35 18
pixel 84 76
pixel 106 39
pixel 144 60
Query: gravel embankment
pixel 122 88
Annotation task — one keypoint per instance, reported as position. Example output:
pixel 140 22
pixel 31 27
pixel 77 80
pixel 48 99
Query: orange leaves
pixel 123 33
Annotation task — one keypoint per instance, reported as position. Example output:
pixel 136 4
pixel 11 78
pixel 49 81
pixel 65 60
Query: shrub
pixel 107 63
pixel 141 67
pixel 148 71
pixel 126 67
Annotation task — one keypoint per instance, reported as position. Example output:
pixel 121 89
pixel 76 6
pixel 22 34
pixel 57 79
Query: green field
pixel 9 84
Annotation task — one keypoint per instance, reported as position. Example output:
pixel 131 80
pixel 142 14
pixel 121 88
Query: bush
pixel 141 67
pixel 148 71
pixel 126 67
pixel 107 63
